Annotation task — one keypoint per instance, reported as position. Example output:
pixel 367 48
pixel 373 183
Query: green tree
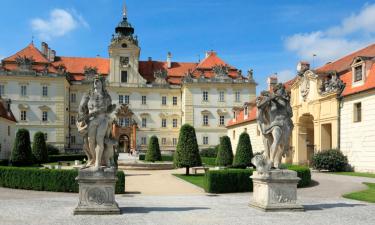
pixel 153 151
pixel 21 153
pixel 225 155
pixel 39 150
pixel 187 152
pixel 244 152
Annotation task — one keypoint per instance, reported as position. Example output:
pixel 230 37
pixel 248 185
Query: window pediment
pixel 23 106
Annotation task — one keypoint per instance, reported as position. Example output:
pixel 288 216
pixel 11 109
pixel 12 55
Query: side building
pixel 7 128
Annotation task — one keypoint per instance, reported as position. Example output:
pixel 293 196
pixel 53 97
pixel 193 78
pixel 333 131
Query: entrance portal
pixel 307 145
pixel 124 143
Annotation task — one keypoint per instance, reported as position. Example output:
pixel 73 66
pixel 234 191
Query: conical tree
pixel 244 152
pixel 187 152
pixel 39 150
pixel 21 153
pixel 153 151
pixel 225 155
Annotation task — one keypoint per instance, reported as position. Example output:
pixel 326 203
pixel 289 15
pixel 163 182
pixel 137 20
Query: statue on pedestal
pixel 274 188
pixel 97 179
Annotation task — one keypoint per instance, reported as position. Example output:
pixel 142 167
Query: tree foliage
pixel 153 151
pixel 244 152
pixel 39 150
pixel 21 153
pixel 187 152
pixel 225 154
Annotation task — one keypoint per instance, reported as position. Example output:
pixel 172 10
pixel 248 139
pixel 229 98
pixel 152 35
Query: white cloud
pixel 353 33
pixel 59 23
pixel 285 75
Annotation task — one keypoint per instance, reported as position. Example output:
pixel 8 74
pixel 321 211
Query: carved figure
pixel 274 119
pixel 94 124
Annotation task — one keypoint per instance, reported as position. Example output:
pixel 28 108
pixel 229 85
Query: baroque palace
pixel 157 97
pixel 333 107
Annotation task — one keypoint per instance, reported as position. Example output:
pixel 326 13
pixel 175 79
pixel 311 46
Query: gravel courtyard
pixel 322 202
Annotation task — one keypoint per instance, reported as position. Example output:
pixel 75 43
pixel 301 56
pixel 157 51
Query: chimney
pixel 149 59
pixel 53 55
pixel 48 53
pixel 169 60
pixel 271 81
pixel 44 49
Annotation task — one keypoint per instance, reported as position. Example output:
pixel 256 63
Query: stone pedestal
pixel 275 190
pixel 97 192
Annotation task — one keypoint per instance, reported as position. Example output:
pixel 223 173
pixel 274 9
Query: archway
pixel 124 143
pixel 306 138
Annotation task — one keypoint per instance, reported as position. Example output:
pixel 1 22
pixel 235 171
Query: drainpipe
pixel 339 98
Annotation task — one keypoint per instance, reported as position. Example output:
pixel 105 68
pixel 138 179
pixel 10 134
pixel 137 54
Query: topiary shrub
pixel 228 180
pixel 52 150
pixel 39 149
pixel 187 151
pixel 332 160
pixel 153 151
pixel 209 152
pixel 244 152
pixel 21 154
pixel 225 154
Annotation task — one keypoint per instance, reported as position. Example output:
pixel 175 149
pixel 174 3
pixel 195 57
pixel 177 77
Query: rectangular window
pixel 205 140
pixel 221 96
pixel 163 141
pixel 222 121
pixel 164 100
pixel 2 90
pixel 205 120
pixel 45 136
pixel 23 115
pixel 126 99
pixel 127 122
pixel 358 73
pixel 44 116
pixel 23 90
pixel 121 99
pixel 73 139
pixel 163 122
pixel 246 111
pixel 174 100
pixel 174 122
pixel 205 96
pixel 357 112
pixel 144 102
pixel 238 96
pixel 143 140
pixel 124 76
pixel 174 141
pixel 73 97
pixel 72 120
pixel 45 91
pixel 144 122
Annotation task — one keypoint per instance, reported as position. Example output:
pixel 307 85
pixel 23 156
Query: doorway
pixel 124 143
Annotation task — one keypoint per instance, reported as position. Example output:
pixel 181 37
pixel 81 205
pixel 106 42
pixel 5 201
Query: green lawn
pixel 196 179
pixel 365 195
pixel 356 174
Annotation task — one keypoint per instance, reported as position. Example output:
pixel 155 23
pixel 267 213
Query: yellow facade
pixel 315 118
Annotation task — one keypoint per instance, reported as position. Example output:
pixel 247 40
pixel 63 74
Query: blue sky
pixel 268 36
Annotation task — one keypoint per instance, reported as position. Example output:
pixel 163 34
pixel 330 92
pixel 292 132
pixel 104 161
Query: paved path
pixel 322 202
pixel 158 182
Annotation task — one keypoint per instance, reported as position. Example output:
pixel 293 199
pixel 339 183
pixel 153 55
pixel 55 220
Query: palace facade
pixel 157 97
pixel 333 107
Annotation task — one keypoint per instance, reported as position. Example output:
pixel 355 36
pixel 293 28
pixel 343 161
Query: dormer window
pixel 358 73
pixel 246 111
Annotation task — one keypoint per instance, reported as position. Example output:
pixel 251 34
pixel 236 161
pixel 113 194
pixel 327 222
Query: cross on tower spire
pixel 124 10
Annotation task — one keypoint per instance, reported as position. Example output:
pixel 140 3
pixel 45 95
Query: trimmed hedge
pixel 21 154
pixel 238 180
pixel 52 150
pixel 209 161
pixel 47 180
pixel 39 149
pixel 225 154
pixel 59 158
pixel 244 152
pixel 228 180
pixel 153 151
pixel 209 152
pixel 163 157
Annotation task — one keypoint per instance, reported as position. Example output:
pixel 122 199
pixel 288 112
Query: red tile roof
pixel 29 51
pixel 369 83
pixel 76 65
pixel 4 113
pixel 344 63
pixel 240 117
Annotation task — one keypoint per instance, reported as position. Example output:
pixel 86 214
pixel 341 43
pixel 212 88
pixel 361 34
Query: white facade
pixel 251 127
pixel 357 139
pixel 7 134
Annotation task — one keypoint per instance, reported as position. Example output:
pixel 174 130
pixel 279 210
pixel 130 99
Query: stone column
pixel 134 136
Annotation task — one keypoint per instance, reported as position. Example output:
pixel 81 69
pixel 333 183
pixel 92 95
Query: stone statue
pixel 94 124
pixel 274 119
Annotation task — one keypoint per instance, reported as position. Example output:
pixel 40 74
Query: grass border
pixel 367 195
